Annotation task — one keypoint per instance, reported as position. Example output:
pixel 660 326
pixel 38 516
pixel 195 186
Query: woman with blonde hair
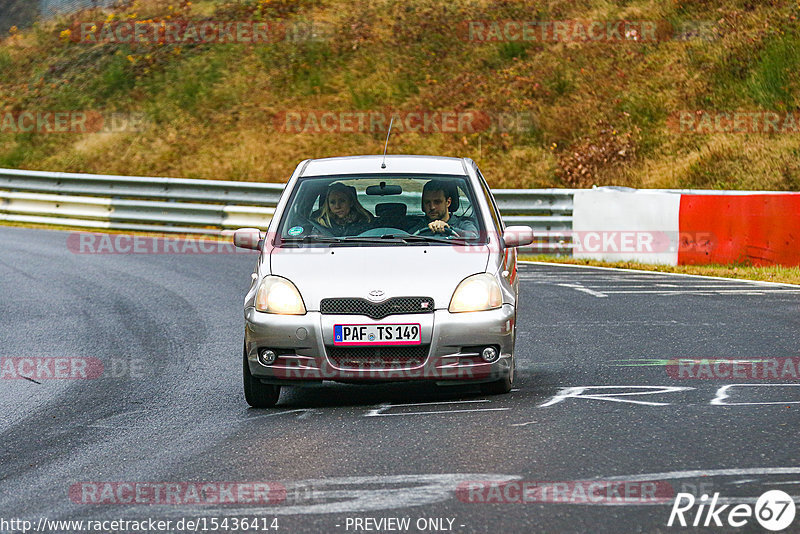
pixel 342 213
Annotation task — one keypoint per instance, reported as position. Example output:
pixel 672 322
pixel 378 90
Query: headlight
pixel 477 293
pixel 279 295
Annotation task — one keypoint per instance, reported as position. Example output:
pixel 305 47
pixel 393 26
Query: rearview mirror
pixel 518 236
pixel 247 238
pixel 383 189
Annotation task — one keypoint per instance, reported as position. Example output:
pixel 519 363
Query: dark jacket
pixel 348 229
pixel 463 225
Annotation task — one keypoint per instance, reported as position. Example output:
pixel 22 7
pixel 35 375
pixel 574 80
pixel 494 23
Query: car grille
pixel 376 310
pixel 377 357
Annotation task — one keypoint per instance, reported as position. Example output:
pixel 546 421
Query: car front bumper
pixel 307 356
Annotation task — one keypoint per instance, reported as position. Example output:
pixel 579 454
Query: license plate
pixel 377 334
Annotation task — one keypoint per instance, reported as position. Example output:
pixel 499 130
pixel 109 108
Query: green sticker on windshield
pixel 295 230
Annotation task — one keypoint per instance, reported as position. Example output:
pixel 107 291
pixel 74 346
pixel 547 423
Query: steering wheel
pixel 448 231
pixel 383 230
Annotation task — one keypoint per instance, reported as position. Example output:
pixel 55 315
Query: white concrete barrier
pixel 626 225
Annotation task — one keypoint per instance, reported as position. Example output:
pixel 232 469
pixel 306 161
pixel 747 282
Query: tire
pixel 256 394
pixel 502 386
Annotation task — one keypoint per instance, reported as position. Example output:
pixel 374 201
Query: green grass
pixel 770 83
pixel 5 60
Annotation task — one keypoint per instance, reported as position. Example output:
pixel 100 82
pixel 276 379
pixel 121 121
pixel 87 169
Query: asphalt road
pixel 595 402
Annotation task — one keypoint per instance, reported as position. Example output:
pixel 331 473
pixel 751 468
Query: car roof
pixel 394 164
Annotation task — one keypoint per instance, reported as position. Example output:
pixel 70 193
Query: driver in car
pixel 436 202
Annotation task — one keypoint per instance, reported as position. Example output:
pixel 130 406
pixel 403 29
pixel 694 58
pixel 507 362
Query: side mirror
pixel 518 236
pixel 247 238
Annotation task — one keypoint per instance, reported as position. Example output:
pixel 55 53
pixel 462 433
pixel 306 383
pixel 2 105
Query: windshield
pixel 382 209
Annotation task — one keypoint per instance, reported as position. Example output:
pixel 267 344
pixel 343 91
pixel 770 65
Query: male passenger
pixel 436 202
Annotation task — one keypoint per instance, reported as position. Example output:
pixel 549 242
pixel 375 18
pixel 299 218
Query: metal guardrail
pixel 189 206
pixel 51 8
pixel 174 189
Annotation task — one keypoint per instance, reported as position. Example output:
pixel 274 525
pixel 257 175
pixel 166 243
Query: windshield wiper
pixel 433 239
pixel 311 239
pixel 378 239
pixel 384 237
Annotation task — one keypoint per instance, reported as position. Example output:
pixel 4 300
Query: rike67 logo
pixel 774 511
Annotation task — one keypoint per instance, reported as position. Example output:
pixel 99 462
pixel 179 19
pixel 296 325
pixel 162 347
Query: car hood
pixel 420 271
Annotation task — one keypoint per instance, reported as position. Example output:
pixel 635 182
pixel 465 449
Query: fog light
pixel 489 354
pixel 267 357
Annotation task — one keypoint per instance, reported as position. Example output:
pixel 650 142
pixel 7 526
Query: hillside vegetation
pixel 601 113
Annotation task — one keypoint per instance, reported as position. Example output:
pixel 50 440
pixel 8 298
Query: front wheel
pixel 502 386
pixel 256 394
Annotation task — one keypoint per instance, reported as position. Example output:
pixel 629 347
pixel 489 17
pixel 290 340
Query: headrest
pixel 453 197
pixel 391 209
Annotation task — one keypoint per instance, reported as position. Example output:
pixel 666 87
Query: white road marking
pixel 360 494
pixel 654 273
pixel 703 291
pixel 705 474
pixel 630 283
pixel 371 493
pixel 587 323
pixel 577 393
pixel 722 394
pixel 439 412
pixel 655 283
pixel 579 287
pixel 379 411
pixel 670 287
pixel 632 278
pixel 442 402
pixel 305 413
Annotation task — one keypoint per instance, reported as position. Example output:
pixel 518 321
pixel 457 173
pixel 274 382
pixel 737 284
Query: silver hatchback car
pixel 378 269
